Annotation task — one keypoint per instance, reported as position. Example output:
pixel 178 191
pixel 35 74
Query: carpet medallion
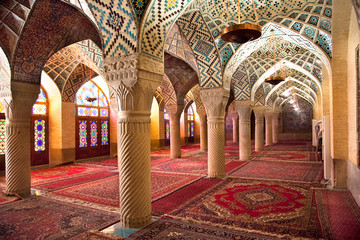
pixel 106 191
pixel 338 213
pixel 42 218
pixel 291 171
pixel 264 207
pixel 168 228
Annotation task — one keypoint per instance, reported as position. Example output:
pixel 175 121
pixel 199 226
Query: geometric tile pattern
pixel 60 65
pixel 159 98
pixel 117 26
pixel 241 83
pixel 356 5
pixel 260 96
pixel 78 77
pixel 157 20
pixel 139 7
pixel 167 91
pixel 92 51
pixel 177 44
pixel 195 91
pixel 196 32
pixel 4 68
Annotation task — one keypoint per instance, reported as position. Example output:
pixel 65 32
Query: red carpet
pixel 112 162
pixel 64 172
pixel 168 228
pixel 291 171
pixel 283 156
pixel 256 206
pixel 173 200
pixel 106 191
pixel 339 214
pixel 7 199
pixel 42 218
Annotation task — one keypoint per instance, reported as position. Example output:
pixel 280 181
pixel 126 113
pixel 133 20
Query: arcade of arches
pixel 98 78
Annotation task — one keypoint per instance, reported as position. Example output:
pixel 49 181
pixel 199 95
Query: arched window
pixel 167 127
pixel 92 122
pixel 39 131
pixel 191 119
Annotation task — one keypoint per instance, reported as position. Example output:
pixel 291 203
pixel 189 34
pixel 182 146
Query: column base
pixel 216 175
pixel 135 222
pixel 259 149
pixel 244 158
pixel 21 193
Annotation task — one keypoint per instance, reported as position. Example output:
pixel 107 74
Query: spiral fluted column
pixel 133 82
pixel 275 126
pixel 268 129
pixel 235 121
pixel 244 111
pixel 259 128
pixel 215 100
pixel 18 107
pixel 203 129
pixel 175 141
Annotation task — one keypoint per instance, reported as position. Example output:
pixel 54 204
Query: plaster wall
pixel 155 126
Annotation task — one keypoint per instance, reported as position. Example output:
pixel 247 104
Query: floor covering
pixel 276 195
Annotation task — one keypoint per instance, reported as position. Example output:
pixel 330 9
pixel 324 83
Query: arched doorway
pixel 92 122
pixel 167 128
pixel 191 121
pixel 39 128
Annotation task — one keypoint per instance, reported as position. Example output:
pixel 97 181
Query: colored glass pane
pixel 104 112
pixel 88 112
pixel 104 133
pixel 2 136
pixel 102 100
pixel 191 129
pixel 88 95
pixel 39 135
pixel 93 134
pixel 190 113
pixel 189 132
pixel 166 116
pixel 1 108
pixel 82 134
pixel 39 109
pixel 167 130
pixel 190 110
pixel 42 97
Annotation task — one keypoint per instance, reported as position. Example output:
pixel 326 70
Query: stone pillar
pixel 226 114
pixel 275 127
pixel 244 110
pixel 215 100
pixel 235 121
pixel 268 120
pixel 203 128
pixel 175 141
pixel 259 128
pixel 18 107
pixel 133 81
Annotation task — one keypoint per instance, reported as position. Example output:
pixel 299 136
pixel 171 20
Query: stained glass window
pixel 167 130
pixel 190 118
pixel 104 112
pixel 82 134
pixel 90 94
pixel 190 113
pixel 39 135
pixel 40 108
pixel 93 134
pixel 88 112
pixel 104 133
pixel 166 115
pixel 2 136
pixel 42 97
pixel 1 108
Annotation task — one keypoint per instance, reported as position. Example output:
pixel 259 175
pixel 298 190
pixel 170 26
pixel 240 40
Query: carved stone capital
pixel 215 101
pixel 244 109
pixel 150 64
pixel 259 112
pixel 174 110
pixel 269 115
pixel 201 111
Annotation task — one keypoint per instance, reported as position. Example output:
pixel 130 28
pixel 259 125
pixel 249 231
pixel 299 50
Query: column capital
pixel 131 83
pixel 269 114
pixel 244 108
pixel 215 101
pixel 201 111
pixel 174 110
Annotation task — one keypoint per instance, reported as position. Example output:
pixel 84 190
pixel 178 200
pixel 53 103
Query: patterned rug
pixel 106 191
pixel 338 213
pixel 64 172
pixel 97 235
pixel 175 199
pixel 53 186
pixel 168 228
pixel 4 199
pixel 291 171
pixel 112 162
pixel 256 206
pixel 284 155
pixel 42 218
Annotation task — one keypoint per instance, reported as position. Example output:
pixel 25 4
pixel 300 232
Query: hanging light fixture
pixel 242 32
pixel 279 75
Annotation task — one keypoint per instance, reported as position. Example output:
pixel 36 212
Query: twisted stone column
pixel 175 141
pixel 268 120
pixel 203 128
pixel 275 126
pixel 225 128
pixel 244 110
pixel 215 100
pixel 133 82
pixel 18 108
pixel 259 128
pixel 235 121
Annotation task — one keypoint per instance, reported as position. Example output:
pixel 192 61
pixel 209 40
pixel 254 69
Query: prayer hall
pixel 179 119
